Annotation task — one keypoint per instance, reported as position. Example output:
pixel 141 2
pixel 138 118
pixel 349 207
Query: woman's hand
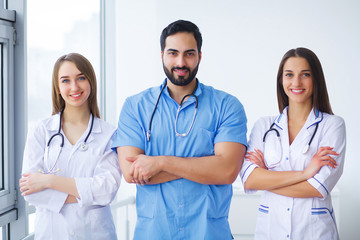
pixel 257 158
pixel 320 159
pixel 33 182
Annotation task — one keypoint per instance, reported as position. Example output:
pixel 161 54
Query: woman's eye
pixel 82 78
pixel 288 75
pixel 306 74
pixel 65 81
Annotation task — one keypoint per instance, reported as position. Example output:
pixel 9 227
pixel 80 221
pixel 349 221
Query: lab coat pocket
pixel 323 224
pixel 102 225
pixel 263 222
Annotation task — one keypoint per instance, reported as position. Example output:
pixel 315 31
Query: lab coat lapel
pixel 53 124
pixel 96 129
pixel 282 123
pixel 308 129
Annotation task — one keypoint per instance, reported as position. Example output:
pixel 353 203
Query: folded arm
pixel 299 190
pixel 36 182
pixel 221 168
pixel 127 154
pixel 289 183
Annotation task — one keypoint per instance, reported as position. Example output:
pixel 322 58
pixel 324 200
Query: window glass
pixel 56 28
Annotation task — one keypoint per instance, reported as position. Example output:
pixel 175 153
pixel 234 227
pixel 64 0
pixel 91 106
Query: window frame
pixel 8 212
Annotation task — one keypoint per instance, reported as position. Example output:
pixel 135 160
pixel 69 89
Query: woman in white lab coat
pixel 70 174
pixel 296 157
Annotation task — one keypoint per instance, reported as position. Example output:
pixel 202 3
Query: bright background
pixel 243 42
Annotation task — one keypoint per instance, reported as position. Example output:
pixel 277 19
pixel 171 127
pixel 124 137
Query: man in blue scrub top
pixel 185 165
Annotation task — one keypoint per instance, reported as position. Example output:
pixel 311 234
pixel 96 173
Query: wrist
pixel 304 175
pixel 162 163
pixel 49 179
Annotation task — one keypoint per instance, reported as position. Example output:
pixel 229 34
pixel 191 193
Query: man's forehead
pixel 182 41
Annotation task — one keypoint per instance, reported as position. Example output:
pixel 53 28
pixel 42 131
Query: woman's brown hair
pixel 320 98
pixel 85 68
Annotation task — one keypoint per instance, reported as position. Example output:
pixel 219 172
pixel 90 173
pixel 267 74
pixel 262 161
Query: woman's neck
pixel 299 113
pixel 297 116
pixel 80 115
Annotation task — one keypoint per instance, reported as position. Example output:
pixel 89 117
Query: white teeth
pixel 296 90
pixel 76 95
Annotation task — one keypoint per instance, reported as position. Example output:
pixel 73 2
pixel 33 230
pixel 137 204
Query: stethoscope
pixel 148 132
pixel 306 148
pixel 83 146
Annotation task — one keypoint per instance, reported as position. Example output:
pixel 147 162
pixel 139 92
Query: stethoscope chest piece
pixel 83 147
pixel 306 148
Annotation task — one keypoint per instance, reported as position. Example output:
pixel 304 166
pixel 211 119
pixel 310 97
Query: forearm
pixel 204 170
pixel 63 184
pixel 221 168
pixel 262 179
pixel 298 190
pixel 162 177
pixel 218 169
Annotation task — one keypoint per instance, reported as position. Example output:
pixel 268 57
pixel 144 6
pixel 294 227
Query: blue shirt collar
pixel 197 92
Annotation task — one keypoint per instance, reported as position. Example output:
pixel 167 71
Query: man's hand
pixel 143 168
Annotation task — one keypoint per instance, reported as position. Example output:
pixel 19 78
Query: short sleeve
pixel 334 135
pixel 255 141
pixel 129 131
pixel 233 122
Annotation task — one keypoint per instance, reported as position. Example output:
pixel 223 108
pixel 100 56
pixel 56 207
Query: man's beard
pixel 181 80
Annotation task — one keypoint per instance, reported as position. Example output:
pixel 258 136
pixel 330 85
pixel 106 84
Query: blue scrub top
pixel 182 209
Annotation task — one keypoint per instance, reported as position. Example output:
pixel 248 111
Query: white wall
pixel 243 42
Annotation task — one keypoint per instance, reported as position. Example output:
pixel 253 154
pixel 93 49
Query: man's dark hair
pixel 181 26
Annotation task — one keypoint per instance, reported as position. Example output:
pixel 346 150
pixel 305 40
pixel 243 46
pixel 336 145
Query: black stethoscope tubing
pixel 278 134
pixel 148 132
pixel 62 136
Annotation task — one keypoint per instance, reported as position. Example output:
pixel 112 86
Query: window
pixel 8 213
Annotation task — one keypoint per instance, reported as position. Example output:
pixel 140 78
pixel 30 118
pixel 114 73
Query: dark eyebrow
pixel 190 50
pixel 301 70
pixel 175 50
pixel 172 50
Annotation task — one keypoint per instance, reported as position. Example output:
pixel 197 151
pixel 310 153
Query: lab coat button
pixel 287 236
pixel 288 209
pixel 287 158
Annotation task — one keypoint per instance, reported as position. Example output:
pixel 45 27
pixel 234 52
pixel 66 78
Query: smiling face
pixel 181 58
pixel 297 80
pixel 74 87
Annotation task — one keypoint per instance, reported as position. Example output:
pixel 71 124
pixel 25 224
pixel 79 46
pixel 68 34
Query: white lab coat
pixel 97 175
pixel 281 217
